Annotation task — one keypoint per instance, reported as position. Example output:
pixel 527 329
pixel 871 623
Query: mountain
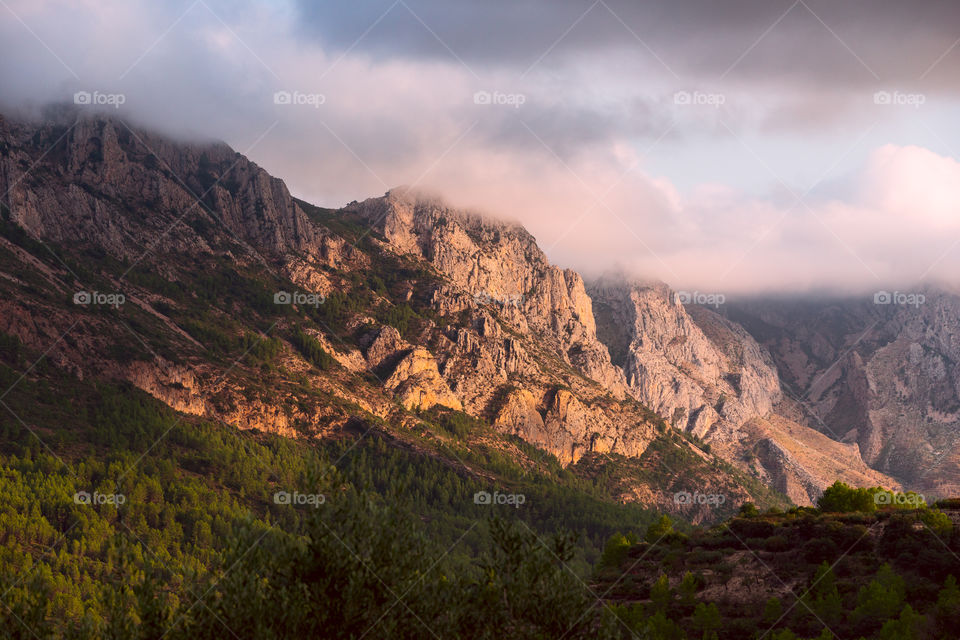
pixel 244 305
pixel 880 376
pixel 708 376
pixel 210 386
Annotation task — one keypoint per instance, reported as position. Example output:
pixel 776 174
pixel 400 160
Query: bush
pixel 744 528
pixel 777 543
pixel 820 550
pixel 704 557
pixel 842 498
pixel 312 350
pixel 937 521
pixel 9 348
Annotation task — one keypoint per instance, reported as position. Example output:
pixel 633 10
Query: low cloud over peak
pixel 758 147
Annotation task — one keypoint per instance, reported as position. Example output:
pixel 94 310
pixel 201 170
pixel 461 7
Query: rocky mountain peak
pixel 498 263
pixel 123 184
pixel 479 319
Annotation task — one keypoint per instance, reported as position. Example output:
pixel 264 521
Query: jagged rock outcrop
pixel 96 171
pixel 519 415
pixel 530 327
pixel 175 386
pixel 499 264
pixel 882 376
pixel 707 375
pixel 418 384
pixel 382 345
pixel 694 368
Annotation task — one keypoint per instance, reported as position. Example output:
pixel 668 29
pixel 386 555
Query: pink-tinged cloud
pixel 580 159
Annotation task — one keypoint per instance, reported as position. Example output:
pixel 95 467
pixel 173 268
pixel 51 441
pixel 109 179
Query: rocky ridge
pixel 707 375
pixel 880 376
pixel 494 329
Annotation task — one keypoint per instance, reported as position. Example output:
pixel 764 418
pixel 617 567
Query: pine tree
pixel 657 530
pixel 660 593
pixel 707 621
pixel 823 598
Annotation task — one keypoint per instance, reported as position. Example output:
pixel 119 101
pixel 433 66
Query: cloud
pixel 898 226
pixel 575 149
pixel 816 42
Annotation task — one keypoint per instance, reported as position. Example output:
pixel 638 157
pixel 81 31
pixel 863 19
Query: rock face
pixel 498 264
pixel 699 371
pixel 418 384
pixel 707 375
pixel 501 333
pixel 797 460
pixel 527 357
pixel 519 415
pixel 96 171
pixel 880 376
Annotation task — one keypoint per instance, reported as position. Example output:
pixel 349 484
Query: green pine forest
pixel 396 547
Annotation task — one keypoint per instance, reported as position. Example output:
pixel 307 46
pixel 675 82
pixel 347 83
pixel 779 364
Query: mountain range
pixel 128 256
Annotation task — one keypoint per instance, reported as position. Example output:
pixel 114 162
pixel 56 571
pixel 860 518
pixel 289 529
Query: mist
pixel 789 151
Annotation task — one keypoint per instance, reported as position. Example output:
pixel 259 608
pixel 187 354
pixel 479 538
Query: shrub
pixel 777 543
pixel 659 529
pixel 744 528
pixel 820 550
pixel 312 350
pixel 842 498
pixel 937 521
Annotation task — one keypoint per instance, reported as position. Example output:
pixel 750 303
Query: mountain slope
pixel 882 376
pixel 249 307
pixel 708 376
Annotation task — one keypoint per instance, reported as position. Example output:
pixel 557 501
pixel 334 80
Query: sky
pixel 727 147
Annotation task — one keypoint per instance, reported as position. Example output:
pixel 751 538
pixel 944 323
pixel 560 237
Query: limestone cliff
pixel 881 376
pixel 707 375
pixel 424 309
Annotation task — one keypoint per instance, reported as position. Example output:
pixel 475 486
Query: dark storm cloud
pixel 567 130
pixel 820 42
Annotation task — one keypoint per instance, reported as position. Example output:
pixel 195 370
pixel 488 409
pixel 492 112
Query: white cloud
pixel 389 121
